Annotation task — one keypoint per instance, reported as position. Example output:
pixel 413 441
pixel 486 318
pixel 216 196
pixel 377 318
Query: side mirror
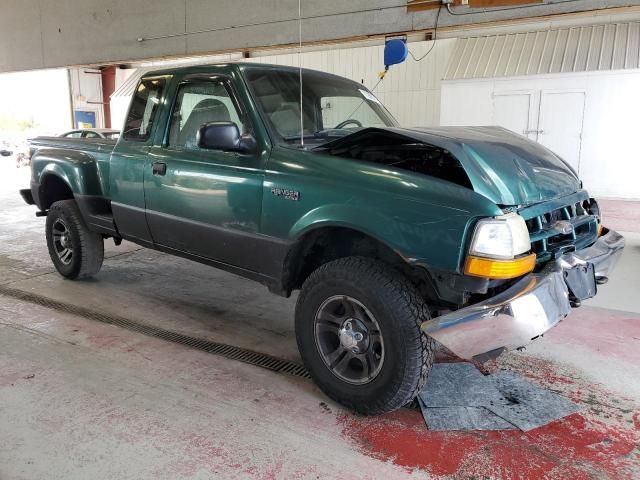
pixel 5 153
pixel 224 136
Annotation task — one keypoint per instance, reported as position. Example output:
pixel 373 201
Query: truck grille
pixel 561 230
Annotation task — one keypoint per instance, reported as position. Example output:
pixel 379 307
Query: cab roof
pixel 238 66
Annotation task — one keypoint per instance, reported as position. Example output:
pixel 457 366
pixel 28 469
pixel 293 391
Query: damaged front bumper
pixel 530 307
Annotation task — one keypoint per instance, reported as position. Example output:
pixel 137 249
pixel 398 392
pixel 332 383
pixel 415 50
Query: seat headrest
pixel 208 104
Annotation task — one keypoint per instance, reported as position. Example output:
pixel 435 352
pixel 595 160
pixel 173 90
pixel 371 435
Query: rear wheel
pixel 75 251
pixel 358 331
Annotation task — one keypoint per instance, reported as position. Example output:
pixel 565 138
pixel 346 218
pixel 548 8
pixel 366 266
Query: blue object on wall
pixel 84 119
pixel 395 51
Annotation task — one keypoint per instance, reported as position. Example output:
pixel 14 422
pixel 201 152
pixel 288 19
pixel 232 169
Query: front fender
pixel 424 219
pixel 371 223
pixel 341 216
pixel 426 237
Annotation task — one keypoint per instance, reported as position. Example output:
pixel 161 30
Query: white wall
pixel 609 157
pixel 119 107
pixel 411 90
pixel 122 74
pixel 86 92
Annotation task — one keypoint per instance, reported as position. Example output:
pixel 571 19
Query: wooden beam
pixel 501 3
pixel 421 5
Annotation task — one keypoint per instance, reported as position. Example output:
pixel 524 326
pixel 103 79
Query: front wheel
pixel 75 251
pixel 358 331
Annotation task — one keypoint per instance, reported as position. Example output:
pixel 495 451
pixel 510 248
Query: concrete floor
pixel 81 399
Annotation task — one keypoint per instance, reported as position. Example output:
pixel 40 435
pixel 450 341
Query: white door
pixel 560 124
pixel 512 110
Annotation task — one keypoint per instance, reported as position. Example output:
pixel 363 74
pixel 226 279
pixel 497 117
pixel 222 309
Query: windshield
pixel 331 106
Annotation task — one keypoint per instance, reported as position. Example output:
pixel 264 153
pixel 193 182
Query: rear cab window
pixel 143 112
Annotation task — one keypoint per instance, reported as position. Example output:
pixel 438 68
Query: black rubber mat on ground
pixel 458 397
pixel 228 351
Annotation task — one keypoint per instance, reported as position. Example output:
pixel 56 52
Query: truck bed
pixel 88 144
pixel 91 156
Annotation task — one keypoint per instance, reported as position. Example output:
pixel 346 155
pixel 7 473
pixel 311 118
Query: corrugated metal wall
pixel 579 49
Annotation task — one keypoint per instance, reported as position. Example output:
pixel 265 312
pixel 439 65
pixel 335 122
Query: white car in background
pixel 95 133
pixel 107 133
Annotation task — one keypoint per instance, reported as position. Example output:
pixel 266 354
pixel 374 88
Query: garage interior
pixel 160 367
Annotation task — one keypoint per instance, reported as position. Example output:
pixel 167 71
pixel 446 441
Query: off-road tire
pixel 87 246
pixel 399 310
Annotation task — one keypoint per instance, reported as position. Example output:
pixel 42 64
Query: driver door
pixel 204 203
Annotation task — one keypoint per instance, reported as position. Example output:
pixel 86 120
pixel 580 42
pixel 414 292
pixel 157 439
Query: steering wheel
pixel 348 121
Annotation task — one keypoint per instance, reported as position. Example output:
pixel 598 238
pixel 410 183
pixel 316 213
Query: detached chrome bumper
pixel 529 308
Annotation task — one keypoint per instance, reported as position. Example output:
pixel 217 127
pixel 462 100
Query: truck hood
pixel 505 167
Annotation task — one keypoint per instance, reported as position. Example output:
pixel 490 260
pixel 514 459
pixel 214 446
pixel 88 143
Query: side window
pixel 143 109
pixel 91 135
pixel 197 104
pixel 73 135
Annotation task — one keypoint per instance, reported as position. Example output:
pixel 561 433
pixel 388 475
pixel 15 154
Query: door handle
pixel 159 168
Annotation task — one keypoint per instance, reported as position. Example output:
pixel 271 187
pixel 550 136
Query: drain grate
pixel 228 351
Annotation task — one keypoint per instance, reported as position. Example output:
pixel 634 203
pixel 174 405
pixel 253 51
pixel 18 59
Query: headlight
pixel 503 237
pixel 497 247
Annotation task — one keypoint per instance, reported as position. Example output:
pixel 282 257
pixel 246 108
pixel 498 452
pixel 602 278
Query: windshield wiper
pixel 323 134
pixel 333 132
pixel 289 138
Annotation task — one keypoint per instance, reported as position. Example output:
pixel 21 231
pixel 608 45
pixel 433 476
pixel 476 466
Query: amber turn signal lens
pixel 600 228
pixel 499 269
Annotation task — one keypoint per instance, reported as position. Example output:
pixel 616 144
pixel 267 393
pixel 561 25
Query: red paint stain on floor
pixel 601 441
pixel 541 371
pixel 573 447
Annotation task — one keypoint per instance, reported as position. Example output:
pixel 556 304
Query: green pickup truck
pixel 397 238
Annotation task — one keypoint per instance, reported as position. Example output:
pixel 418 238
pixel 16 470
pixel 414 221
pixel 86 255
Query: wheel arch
pixel 53 187
pixel 328 241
